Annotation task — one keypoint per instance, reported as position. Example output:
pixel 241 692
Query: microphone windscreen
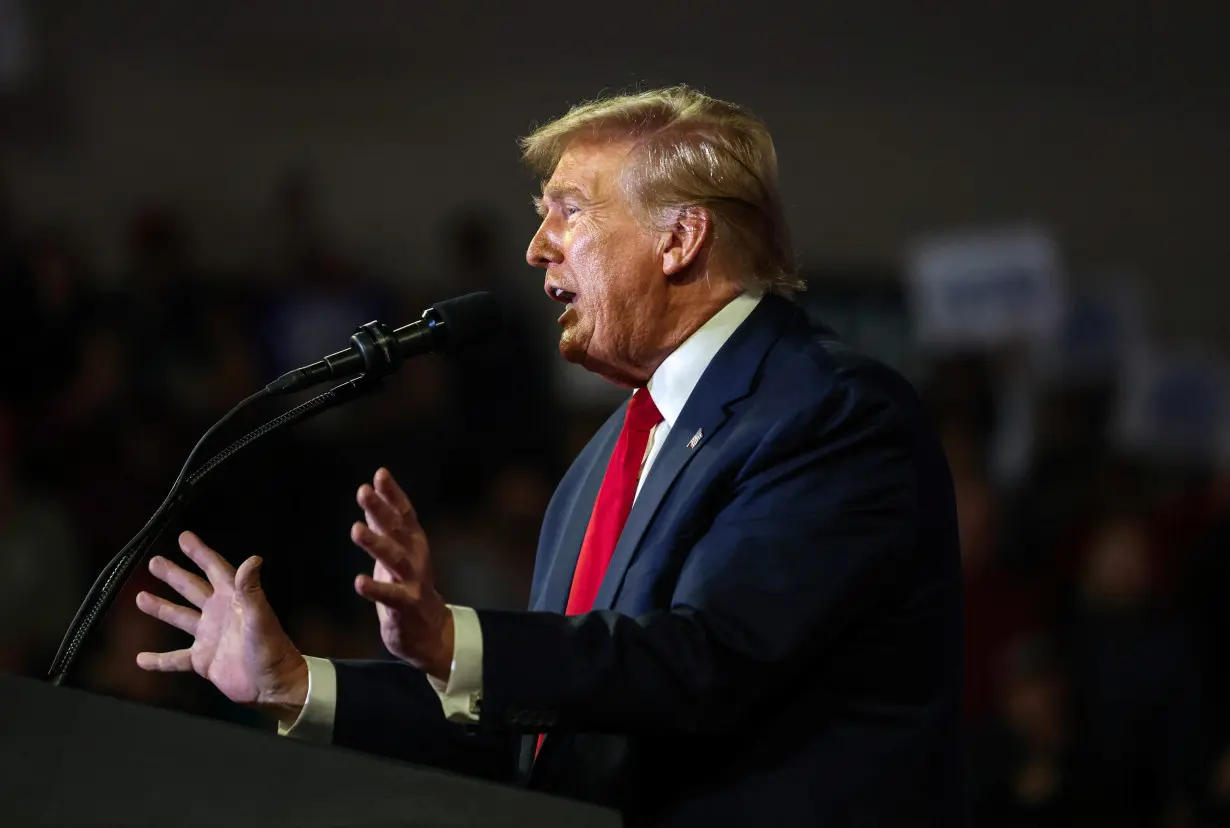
pixel 468 319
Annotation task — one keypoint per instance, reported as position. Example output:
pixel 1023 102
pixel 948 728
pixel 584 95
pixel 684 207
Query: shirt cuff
pixel 461 696
pixel 315 722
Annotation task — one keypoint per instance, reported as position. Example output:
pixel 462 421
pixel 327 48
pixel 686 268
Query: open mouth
pixel 561 295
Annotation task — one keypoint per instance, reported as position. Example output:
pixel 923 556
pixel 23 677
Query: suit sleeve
pixel 817 522
pixel 389 708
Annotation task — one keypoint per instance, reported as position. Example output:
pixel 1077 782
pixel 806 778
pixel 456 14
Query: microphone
pixel 375 350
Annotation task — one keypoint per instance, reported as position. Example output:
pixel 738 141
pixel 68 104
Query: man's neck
pixel 691 307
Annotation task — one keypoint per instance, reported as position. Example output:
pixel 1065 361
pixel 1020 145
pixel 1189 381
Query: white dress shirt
pixel 671 386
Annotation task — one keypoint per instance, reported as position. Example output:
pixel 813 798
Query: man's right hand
pixel 239 644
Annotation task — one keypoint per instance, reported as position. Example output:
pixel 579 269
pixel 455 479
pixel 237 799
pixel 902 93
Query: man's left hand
pixel 415 623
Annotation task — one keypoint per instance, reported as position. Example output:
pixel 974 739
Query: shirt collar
pixel 672 383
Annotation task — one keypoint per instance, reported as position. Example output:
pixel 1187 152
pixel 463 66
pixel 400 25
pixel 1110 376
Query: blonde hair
pixel 691 150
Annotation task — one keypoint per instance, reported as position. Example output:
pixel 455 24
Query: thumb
pixel 248 579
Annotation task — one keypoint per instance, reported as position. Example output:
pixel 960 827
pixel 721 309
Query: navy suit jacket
pixel 777 639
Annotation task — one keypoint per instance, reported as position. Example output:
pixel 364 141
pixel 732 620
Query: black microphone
pixel 375 350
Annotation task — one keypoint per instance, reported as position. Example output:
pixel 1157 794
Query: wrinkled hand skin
pixel 415 623
pixel 238 644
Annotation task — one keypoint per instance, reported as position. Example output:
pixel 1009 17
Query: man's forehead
pixel 585 166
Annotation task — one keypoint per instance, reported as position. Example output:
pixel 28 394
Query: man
pixel 746 604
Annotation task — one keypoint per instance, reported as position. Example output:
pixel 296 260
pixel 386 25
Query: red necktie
pixel 614 502
pixel 613 505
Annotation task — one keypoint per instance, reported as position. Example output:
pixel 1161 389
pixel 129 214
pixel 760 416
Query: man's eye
pixel 571 210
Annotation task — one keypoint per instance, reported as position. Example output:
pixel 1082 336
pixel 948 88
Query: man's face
pixel 601 263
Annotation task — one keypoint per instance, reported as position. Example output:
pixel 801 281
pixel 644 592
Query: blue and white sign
pixel 1101 325
pixel 1174 405
pixel 984 289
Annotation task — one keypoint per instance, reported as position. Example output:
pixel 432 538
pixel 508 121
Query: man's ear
pixel 685 240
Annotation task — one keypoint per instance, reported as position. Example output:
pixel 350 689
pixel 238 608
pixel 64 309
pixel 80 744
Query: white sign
pixel 983 289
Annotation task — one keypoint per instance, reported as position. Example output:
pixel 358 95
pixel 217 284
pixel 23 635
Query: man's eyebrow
pixel 557 191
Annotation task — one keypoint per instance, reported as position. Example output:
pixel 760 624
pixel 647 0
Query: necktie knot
pixel 642 414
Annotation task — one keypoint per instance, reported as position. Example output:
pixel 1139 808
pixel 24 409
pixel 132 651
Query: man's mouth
pixel 561 295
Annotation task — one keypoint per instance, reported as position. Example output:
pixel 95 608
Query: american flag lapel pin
pixel 695 439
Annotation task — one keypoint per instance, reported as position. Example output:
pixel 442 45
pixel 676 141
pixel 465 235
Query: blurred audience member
pixel 997 601
pixel 8 218
pixel 1216 809
pixel 1068 479
pixel 1022 774
pixel 486 556
pixel 161 306
pixel 503 385
pixel 315 296
pixel 1204 593
pixel 1138 704
pixel 40 565
pixel 293 239
pixel 44 308
pixel 118 470
pixel 960 390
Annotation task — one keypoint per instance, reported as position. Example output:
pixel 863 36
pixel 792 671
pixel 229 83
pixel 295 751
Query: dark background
pixel 196 197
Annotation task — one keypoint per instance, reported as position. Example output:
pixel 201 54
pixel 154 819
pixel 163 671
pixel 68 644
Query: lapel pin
pixel 695 439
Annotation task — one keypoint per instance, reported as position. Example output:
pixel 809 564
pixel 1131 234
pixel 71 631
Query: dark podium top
pixel 72 758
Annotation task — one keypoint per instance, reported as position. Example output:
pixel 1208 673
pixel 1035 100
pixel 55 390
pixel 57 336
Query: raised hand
pixel 415 623
pixel 238 643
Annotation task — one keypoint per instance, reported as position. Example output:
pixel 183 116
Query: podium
pixel 68 757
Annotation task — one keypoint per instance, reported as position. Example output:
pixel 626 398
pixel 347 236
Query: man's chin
pixel 578 354
pixel 571 350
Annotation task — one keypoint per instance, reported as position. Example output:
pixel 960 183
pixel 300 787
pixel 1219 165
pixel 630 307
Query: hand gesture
pixel 238 643
pixel 415 623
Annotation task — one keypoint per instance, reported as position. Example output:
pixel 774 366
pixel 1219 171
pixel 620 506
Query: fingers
pixel 173 614
pixel 396 596
pixel 195 590
pixel 178 661
pixel 248 578
pixel 381 516
pixel 388 489
pixel 383 550
pixel 211 563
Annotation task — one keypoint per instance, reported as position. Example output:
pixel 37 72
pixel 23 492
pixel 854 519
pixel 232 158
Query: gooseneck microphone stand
pixel 115 575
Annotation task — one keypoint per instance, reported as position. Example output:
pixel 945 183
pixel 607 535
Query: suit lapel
pixel 670 462
pixel 728 378
pixel 554 595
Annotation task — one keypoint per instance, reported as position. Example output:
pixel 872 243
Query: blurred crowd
pixel 114 377
pixel 1096 621
pixel 1097 625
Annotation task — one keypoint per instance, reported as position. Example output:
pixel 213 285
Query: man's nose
pixel 542 251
